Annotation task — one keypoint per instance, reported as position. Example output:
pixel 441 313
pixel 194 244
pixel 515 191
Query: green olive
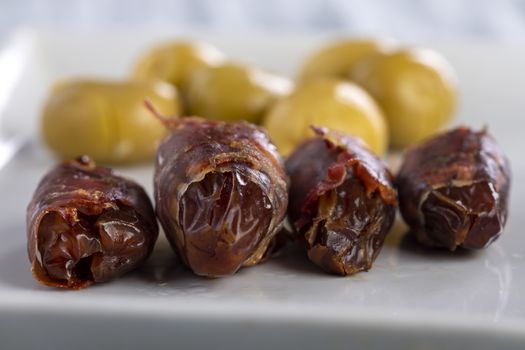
pixel 415 88
pixel 337 59
pixel 234 92
pixel 107 120
pixel 326 102
pixel 175 62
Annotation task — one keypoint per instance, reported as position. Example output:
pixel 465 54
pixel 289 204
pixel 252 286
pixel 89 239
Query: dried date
pixel 454 189
pixel 342 201
pixel 86 224
pixel 220 193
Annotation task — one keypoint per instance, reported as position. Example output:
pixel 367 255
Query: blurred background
pixel 438 20
pixel 492 88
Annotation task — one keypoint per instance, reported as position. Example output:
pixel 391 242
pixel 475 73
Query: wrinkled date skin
pixel 454 188
pixel 87 225
pixel 342 201
pixel 221 194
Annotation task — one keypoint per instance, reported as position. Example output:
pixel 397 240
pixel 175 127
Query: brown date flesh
pixel 86 225
pixel 454 188
pixel 342 201
pixel 221 194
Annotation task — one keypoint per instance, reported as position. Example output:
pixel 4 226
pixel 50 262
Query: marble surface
pixel 497 21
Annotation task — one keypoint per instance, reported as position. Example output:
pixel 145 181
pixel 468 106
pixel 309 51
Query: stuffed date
pixel 220 193
pixel 342 201
pixel 453 189
pixel 87 225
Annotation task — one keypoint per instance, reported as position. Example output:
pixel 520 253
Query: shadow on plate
pixel 410 245
pixel 400 238
pixel 163 267
pixel 293 257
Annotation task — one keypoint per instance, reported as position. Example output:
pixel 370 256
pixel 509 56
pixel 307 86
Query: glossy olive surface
pixel 338 58
pixel 331 103
pixel 233 92
pixel 107 120
pixel 176 61
pixel 415 88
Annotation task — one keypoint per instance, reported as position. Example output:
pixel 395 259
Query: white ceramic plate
pixel 412 298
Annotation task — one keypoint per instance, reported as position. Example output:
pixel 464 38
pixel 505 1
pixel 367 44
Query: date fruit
pixel 342 201
pixel 86 224
pixel 454 188
pixel 221 193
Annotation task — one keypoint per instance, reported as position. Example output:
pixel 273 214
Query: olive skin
pixel 416 89
pixel 176 61
pixel 106 120
pixel 233 92
pixel 330 103
pixel 338 58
